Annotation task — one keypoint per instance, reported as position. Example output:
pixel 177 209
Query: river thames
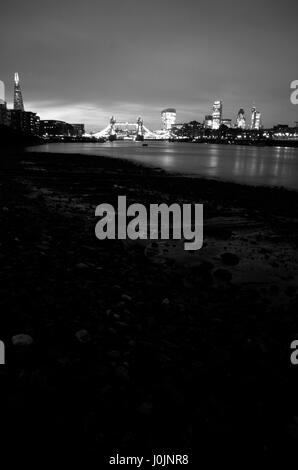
pixel 267 166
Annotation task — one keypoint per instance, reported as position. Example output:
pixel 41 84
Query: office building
pixel 2 93
pixel 78 130
pixel 4 112
pixel 58 129
pixel 53 128
pixel 5 118
pixel 208 122
pixel 240 120
pixel 255 119
pixel 24 121
pixel 216 114
pixel 168 118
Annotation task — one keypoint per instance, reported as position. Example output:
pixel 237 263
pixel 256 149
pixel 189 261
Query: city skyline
pixel 168 116
pixel 88 62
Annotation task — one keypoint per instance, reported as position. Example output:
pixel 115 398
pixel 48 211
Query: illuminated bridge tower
pixel 18 99
pixel 140 130
pixel 112 132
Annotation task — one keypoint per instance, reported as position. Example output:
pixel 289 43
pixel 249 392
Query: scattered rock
pixel 145 408
pixel 82 266
pixel 83 336
pixel 115 355
pixel 121 373
pixel 22 340
pixel 126 297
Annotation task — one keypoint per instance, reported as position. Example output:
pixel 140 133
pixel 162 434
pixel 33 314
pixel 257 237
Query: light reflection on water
pixel 274 166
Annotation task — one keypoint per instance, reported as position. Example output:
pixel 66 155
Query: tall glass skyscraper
pixel 18 99
pixel 255 119
pixel 216 114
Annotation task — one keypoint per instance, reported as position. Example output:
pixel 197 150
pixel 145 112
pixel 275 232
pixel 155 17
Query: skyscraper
pixel 241 121
pixel 18 99
pixel 216 114
pixel 4 112
pixel 168 118
pixel 255 119
pixel 208 121
pixel 2 93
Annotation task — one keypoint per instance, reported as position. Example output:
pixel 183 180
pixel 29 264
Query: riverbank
pixel 142 347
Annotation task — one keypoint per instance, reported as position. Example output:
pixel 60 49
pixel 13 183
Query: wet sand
pixel 142 347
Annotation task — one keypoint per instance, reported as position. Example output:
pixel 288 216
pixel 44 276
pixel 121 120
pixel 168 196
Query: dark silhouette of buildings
pixel 60 129
pixel 24 121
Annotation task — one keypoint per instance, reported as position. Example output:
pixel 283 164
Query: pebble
pixel 22 340
pixel 82 336
pixel 82 266
pixel 145 408
pixel 126 297
pixel 121 373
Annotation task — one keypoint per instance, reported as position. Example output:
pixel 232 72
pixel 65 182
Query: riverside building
pixel 217 114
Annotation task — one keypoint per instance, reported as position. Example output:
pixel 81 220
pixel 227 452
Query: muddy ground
pixel 141 347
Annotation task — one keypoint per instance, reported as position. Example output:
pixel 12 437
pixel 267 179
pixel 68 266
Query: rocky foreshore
pixel 116 346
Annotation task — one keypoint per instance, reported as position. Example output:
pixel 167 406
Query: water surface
pixel 272 166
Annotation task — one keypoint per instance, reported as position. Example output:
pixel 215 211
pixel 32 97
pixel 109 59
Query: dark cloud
pixel 87 60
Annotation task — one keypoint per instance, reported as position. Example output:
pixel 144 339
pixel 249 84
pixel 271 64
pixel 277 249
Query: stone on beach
pixel 83 336
pixel 22 340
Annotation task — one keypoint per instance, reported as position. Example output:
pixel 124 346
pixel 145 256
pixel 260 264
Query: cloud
pixel 96 116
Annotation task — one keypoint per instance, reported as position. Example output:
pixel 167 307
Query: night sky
pixel 82 61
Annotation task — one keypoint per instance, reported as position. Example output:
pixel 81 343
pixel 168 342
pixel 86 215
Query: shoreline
pixel 245 142
pixel 141 345
pixel 257 181
pixel 122 162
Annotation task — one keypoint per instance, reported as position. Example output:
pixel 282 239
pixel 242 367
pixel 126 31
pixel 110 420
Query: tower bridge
pixel 124 130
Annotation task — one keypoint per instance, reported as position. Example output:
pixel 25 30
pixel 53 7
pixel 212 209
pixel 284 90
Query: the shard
pixel 18 99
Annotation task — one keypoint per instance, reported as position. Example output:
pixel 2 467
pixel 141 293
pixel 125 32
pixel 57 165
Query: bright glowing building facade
pixel 4 112
pixel 168 118
pixel 216 114
pixel 18 98
pixel 255 119
pixel 240 120
pixel 2 93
